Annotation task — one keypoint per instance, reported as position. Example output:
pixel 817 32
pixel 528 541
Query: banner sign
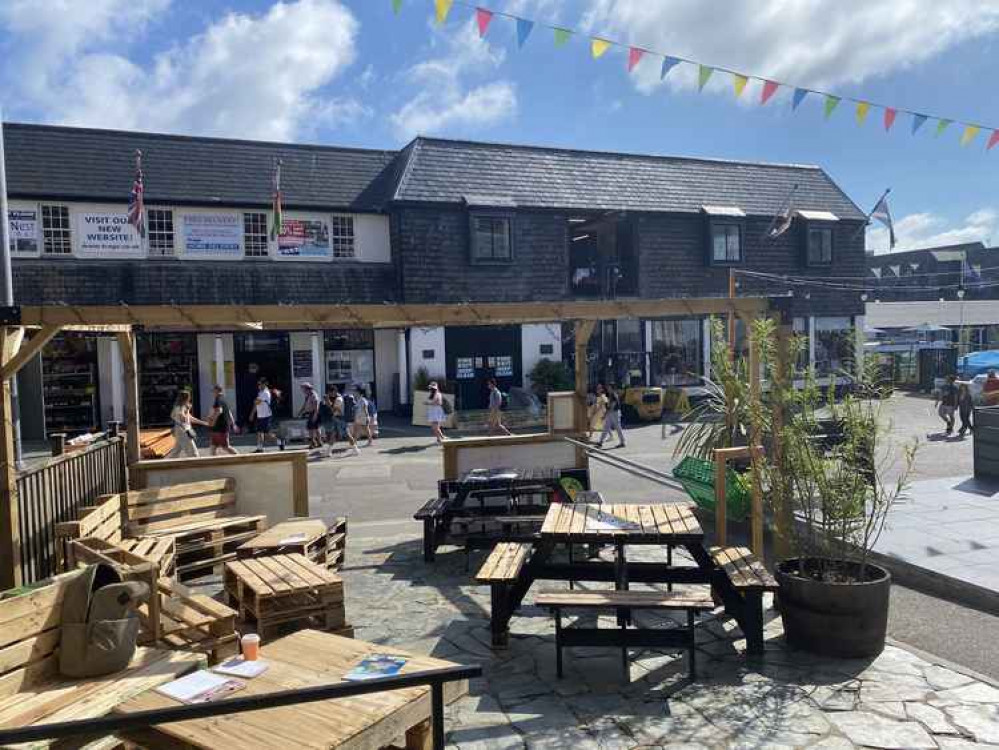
pixel 23 232
pixel 107 235
pixel 213 235
pixel 304 238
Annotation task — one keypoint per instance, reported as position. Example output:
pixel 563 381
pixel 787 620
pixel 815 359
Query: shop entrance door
pixel 477 353
pixel 262 355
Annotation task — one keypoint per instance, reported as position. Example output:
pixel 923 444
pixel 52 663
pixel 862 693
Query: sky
pixel 354 73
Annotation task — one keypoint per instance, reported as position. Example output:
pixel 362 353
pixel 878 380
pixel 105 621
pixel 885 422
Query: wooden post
pixel 721 501
pixel 784 516
pixel 10 528
pixel 756 517
pixel 582 329
pixel 731 315
pixel 126 343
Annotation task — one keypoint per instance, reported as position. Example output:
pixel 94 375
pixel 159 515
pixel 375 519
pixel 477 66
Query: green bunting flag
pixel 831 103
pixel 396 6
pixel 561 36
pixel 942 126
pixel 703 76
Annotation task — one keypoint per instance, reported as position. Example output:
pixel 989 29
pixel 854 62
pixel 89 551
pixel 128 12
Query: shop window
pixel 834 346
pixel 56 235
pixel 677 352
pixel 629 336
pixel 820 246
pixel 492 239
pixel 160 223
pixel 428 353
pixel 546 349
pixel 342 236
pixel 726 242
pixel 255 235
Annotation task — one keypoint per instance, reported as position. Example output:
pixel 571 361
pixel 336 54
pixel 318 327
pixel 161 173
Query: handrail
pixel 627 465
pixel 105 725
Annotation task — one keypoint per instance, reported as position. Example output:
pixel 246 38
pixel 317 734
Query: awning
pixel 489 201
pixel 732 212
pixel 818 215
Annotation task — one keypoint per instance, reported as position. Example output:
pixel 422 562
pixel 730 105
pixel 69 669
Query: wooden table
pixel 304 659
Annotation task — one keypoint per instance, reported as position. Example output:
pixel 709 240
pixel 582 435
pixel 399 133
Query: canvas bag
pixel 100 626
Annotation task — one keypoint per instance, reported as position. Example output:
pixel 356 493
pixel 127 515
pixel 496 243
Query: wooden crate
pixel 279 589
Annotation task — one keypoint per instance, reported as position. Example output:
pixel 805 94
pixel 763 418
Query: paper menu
pixel 237 666
pixel 200 687
pixel 294 538
pixel 374 666
pixel 608 522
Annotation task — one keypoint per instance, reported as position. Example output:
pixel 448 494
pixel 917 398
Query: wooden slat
pixel 552 518
pixel 28 650
pixel 186 505
pixel 248 577
pixel 504 562
pixel 287 574
pixel 265 574
pixel 179 491
pixel 663 524
pixel 648 520
pixel 310 571
pixel 742 567
pixel 578 524
pixel 698 597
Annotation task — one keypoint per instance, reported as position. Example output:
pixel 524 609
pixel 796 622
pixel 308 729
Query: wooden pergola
pixel 122 320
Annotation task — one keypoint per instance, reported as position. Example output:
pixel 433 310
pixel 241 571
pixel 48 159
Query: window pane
pixel 677 352
pixel 483 240
pixel 342 236
pixel 732 239
pixel 255 234
pixel 501 239
pixel 629 335
pixel 719 243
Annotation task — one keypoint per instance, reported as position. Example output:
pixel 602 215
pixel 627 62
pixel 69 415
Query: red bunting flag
pixel 634 57
pixel 993 140
pixel 890 115
pixel 769 89
pixel 483 17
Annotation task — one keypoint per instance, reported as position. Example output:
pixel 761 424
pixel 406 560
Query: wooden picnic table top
pixel 295 531
pixel 303 659
pixel 612 523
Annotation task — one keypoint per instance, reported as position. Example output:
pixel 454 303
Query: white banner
pixel 213 235
pixel 24 232
pixel 107 235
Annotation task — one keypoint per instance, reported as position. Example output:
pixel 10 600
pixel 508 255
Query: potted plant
pixel 831 476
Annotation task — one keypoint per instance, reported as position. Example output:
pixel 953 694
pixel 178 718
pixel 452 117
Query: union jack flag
pixel 136 210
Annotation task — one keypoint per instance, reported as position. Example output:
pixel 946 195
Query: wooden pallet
pixel 336 544
pixel 195 622
pixel 201 550
pixel 304 536
pixel 279 589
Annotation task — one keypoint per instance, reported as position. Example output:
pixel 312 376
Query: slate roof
pixel 443 171
pixel 98 165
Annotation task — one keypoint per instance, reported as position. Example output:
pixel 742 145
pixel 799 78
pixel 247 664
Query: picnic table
pixel 304 659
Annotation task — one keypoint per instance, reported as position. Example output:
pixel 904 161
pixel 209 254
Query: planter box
pixel 420 399
pixel 986 436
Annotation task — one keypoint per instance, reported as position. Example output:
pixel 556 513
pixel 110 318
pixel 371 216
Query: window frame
pixel 64 234
pixel 154 223
pixel 824 227
pixel 492 260
pixel 337 220
pixel 256 253
pixel 715 223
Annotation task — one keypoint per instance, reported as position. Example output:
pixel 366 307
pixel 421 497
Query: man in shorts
pixel 222 423
pixel 262 414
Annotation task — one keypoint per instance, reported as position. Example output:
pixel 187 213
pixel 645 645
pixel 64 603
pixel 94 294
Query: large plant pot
pixel 846 619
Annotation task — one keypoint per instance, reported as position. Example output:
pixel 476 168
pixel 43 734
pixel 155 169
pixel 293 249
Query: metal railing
pixel 54 492
pixel 109 725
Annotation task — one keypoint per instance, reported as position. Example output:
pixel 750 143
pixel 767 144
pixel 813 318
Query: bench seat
pixel 697 598
pixel 504 563
pixel 744 571
pixel 434 507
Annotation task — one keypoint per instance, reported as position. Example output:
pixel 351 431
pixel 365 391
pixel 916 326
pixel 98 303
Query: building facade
pixel 438 222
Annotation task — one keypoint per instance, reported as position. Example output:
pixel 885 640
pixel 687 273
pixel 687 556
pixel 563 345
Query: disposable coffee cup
pixel 251 646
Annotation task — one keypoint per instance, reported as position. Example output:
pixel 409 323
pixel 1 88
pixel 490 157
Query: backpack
pixel 446 406
pixel 349 407
pixel 505 404
pixel 325 411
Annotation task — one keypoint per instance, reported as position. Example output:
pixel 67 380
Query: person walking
pixel 362 420
pixel 612 419
pixel 947 403
pixel 496 409
pixel 597 412
pixel 435 411
pixel 372 418
pixel 349 412
pixel 990 389
pixel 185 438
pixel 310 412
pixel 965 407
pixel 338 430
pixel 262 414
pixel 221 424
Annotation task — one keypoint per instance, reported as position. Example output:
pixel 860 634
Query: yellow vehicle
pixel 647 403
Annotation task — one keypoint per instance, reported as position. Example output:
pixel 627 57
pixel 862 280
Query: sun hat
pixel 432 386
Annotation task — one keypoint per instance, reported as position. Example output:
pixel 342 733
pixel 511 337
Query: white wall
pixel 532 337
pixel 386 367
pixel 371 238
pixel 424 339
pixel 302 341
pixel 207 374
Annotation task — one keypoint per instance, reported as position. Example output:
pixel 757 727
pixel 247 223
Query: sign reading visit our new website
pixel 304 238
pixel 213 235
pixel 107 235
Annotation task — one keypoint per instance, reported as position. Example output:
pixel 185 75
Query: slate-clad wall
pixel 247 282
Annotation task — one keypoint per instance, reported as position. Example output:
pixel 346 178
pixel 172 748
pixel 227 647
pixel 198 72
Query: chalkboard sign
pixel 301 364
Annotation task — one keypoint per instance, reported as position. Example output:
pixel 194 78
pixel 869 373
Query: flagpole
pixel 8 292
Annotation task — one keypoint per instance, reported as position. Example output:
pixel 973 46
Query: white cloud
pixel 814 43
pixel 444 100
pixel 254 76
pixel 923 230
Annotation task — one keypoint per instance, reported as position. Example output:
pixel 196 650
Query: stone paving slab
pixel 786 700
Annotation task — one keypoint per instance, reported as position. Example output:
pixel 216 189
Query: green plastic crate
pixel 698 478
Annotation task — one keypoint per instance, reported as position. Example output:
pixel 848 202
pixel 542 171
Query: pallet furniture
pixel 279 589
pixel 303 659
pixel 31 689
pixel 309 537
pixel 199 517
pixel 692 600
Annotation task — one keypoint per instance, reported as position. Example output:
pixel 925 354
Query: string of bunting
pixel 599 47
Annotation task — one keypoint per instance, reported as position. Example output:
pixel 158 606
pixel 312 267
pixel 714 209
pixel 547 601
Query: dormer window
pixel 819 237
pixel 726 234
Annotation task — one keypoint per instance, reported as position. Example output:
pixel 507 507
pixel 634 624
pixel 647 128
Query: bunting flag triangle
pixel 831 103
pixel 483 17
pixel 863 109
pixel 799 97
pixel 769 89
pixel 561 36
pixel 396 6
pixel 524 29
pixel 443 8
pixel 890 115
pixel 993 140
pixel 969 134
pixel 739 81
pixel 917 122
pixel 703 76
pixel 668 64
pixel 598 47
pixel 634 57
pixel 942 126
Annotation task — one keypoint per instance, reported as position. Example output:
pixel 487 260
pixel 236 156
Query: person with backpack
pixel 362 419
pixel 263 414
pixel 437 411
pixel 496 399
pixel 348 414
pixel 612 419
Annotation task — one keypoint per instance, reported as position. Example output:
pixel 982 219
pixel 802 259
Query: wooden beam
pixel 10 528
pixel 126 344
pixel 784 515
pixel 12 344
pixel 756 515
pixel 28 351
pixel 582 330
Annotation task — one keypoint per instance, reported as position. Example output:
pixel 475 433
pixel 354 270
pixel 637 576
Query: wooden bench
pixel 501 571
pixel 433 514
pixel 741 582
pixel 691 600
pixel 32 690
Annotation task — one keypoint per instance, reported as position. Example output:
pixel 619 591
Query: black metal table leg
pixel 437 714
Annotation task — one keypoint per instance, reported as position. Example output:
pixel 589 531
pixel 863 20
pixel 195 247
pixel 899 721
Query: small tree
pixel 547 376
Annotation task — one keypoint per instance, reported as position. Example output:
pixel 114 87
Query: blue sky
pixel 351 72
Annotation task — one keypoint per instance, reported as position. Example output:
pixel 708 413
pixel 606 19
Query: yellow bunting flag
pixel 969 134
pixel 443 8
pixel 863 108
pixel 598 47
pixel 739 81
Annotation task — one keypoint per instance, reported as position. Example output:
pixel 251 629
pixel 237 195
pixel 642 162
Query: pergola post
pixel 756 515
pixel 782 375
pixel 10 529
pixel 126 342
pixel 582 330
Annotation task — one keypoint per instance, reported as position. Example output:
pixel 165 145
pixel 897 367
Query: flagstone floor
pixel 786 700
